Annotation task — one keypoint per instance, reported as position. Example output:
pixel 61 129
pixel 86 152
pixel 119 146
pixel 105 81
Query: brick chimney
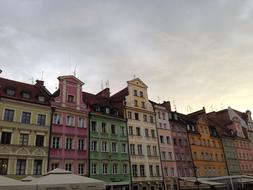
pixel 39 82
pixel 104 93
pixel 166 104
pixel 249 115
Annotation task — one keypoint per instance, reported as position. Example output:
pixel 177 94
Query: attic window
pixel 71 98
pixel 97 108
pixel 26 95
pixel 107 110
pixel 41 98
pixel 10 92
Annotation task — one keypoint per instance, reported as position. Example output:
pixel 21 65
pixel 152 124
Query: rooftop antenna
pixel 55 86
pixel 102 85
pixel 32 80
pixel 74 72
pixel 42 74
pixel 174 104
pixel 158 99
pixel 107 84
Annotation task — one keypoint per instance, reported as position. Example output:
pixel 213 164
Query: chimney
pixel 104 93
pixel 249 115
pixel 39 83
pixel 166 104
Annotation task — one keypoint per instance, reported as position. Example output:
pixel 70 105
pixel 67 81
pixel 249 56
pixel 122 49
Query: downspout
pixel 50 136
pixel 88 144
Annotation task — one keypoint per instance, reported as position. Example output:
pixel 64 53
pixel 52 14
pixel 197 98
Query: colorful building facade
pixel 165 140
pixel 206 147
pixel 109 157
pixel 69 132
pixel 142 136
pixel 24 128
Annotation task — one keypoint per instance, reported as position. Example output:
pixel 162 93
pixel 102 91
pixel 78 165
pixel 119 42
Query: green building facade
pixel 109 158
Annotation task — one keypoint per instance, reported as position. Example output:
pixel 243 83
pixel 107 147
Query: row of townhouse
pixel 125 139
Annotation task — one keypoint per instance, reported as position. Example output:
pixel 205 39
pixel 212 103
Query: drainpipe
pixel 50 136
pixel 88 144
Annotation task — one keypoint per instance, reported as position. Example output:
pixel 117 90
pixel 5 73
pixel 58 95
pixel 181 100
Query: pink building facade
pixel 69 131
pixel 184 163
pixel 165 139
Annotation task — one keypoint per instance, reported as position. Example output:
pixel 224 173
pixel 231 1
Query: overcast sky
pixel 194 53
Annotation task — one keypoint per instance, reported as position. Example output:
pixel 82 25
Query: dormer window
pixel 175 116
pixel 107 110
pixel 10 92
pixel 97 108
pixel 71 99
pixel 26 95
pixel 141 94
pixel 41 98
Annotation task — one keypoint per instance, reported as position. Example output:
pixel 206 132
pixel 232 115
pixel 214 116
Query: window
pixel 141 94
pixel 170 156
pixel 175 141
pixel 114 147
pixel 153 133
pixel 161 139
pixel 6 138
pixel 172 172
pixel 21 166
pixel 93 146
pixel 23 139
pixel 39 140
pixel 93 126
pixel 138 131
pixel 54 166
pixel 71 98
pixel 80 144
pixel 104 146
pixel 3 166
pixel 81 122
pixel 68 143
pixel 163 115
pixel 132 149
pixel 155 150
pixel 81 169
pixel 122 130
pixel 135 103
pixel 94 168
pixel 131 130
pixel 159 115
pixel 70 121
pixel 56 142
pixel 129 114
pixel 151 170
pixel 168 140
pixel 57 119
pixel 148 150
pixel 26 117
pixel 134 170
pixel 8 115
pixel 105 168
pixel 166 172
pixel 157 171
pixel 68 167
pixel 136 116
pixel 115 168
pixel 104 127
pixel 41 98
pixel 26 95
pixel 139 149
pixel 41 119
pixel 163 155
pixel 143 105
pixel 10 92
pixel 37 167
pixel 113 129
pixel 142 170
pixel 124 169
pixel 145 118
pixel 123 148
pixel 146 133
pixel 151 119
pixel 107 110
pixel 135 93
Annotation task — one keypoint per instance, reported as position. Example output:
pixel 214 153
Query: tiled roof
pixel 35 91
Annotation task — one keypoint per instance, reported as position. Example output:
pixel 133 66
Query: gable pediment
pixel 137 82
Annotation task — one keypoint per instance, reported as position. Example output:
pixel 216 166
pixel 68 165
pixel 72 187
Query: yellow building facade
pixel 25 117
pixel 206 146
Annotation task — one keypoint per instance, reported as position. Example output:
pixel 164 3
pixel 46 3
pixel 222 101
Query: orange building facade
pixel 206 146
